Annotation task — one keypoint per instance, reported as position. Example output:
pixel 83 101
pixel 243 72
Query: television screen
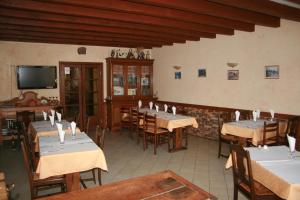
pixel 36 77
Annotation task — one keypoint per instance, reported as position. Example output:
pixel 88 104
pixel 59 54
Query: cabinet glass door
pixel 131 80
pixel 118 80
pixel 145 81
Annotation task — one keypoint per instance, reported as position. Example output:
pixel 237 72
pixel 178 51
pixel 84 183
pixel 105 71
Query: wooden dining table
pixel 276 169
pixel 249 129
pixel 163 185
pixel 78 153
pixel 173 122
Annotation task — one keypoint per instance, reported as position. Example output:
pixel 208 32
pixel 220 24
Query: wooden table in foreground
pixel 171 122
pixel 163 185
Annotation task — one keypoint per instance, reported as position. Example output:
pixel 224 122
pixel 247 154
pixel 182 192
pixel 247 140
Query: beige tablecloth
pixel 75 155
pixel 250 129
pixel 170 121
pixel 276 170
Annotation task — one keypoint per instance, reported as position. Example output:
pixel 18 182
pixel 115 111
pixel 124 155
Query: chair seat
pixel 260 190
pixel 47 181
pixel 228 138
pixel 159 130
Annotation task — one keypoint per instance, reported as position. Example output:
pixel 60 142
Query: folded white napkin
pixel 272 114
pixel 166 107
pixel 73 128
pixel 61 136
pixel 237 115
pixel 258 113
pixel 52 112
pixel 59 126
pixel 151 105
pixel 174 110
pixel 45 116
pixel 58 116
pixel 254 115
pixel 140 104
pixel 292 143
pixel 51 119
pixel 157 108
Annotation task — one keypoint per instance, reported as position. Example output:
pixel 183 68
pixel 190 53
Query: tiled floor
pixel 199 164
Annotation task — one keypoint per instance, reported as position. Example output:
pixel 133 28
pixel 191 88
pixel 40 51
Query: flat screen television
pixel 36 77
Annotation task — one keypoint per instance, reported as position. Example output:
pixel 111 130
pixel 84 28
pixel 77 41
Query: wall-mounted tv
pixel 36 77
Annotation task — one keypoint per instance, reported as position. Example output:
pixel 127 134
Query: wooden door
pixel 81 92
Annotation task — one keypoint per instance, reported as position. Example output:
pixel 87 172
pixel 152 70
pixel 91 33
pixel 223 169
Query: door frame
pixel 102 117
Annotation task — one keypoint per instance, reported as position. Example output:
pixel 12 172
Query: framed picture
pixel 272 71
pixel 201 72
pixel 177 75
pixel 233 74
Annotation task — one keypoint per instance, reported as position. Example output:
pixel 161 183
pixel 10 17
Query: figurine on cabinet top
pixel 130 55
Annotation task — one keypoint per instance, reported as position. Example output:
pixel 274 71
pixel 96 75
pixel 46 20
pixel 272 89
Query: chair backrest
pixel 87 128
pixel 150 122
pixel 141 118
pixel 270 128
pixel 244 115
pixel 241 167
pixel 223 118
pixel 134 114
pixel 28 144
pixel 100 136
pixel 26 117
pixel 292 126
pixel 27 166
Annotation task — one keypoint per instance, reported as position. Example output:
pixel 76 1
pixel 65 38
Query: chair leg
pixel 145 141
pixel 235 193
pixel 138 135
pixel 94 176
pixel 83 184
pixel 155 143
pixel 99 176
pixel 220 147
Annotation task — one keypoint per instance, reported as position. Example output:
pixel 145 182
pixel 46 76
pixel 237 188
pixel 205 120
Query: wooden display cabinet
pixel 128 81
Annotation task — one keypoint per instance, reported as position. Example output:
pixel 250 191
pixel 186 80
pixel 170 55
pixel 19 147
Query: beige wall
pixel 19 53
pixel 266 46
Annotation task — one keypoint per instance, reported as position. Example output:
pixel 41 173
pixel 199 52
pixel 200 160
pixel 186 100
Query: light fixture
pixel 229 64
pixel 177 67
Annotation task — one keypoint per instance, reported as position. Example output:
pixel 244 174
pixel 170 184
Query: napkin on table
pixel 174 110
pixel 52 112
pixel 166 107
pixel 51 119
pixel 61 136
pixel 45 115
pixel 237 115
pixel 73 128
pixel 140 104
pixel 58 116
pixel 151 105
pixel 272 114
pixel 254 115
pixel 292 143
pixel 157 108
pixel 258 113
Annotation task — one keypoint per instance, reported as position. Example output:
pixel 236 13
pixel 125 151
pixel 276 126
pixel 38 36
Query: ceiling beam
pixel 113 15
pixel 264 6
pixel 48 24
pixel 218 10
pixel 139 8
pixel 85 33
pixel 64 41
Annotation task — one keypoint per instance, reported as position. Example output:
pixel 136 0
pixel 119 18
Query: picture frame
pixel 233 74
pixel 272 72
pixel 177 75
pixel 201 72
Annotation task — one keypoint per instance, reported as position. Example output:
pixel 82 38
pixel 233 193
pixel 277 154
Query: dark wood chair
pixel 243 177
pixel 227 139
pixel 99 139
pixel 26 117
pixel 270 128
pixel 245 115
pixel 291 130
pixel 36 184
pixel 154 134
pixel 136 119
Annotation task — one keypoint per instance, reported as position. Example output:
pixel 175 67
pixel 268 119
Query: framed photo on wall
pixel 201 72
pixel 233 74
pixel 177 75
pixel 272 72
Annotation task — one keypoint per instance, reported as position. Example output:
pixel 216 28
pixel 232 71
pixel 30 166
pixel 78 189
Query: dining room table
pixel 162 185
pixel 74 155
pixel 277 168
pixel 173 122
pixel 250 129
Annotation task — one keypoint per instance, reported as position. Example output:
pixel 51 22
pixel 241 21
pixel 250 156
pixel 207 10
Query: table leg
pixel 178 140
pixel 73 181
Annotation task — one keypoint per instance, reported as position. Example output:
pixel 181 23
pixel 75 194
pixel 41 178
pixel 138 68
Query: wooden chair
pixel 152 131
pixel 100 136
pixel 136 117
pixel 243 178
pixel 224 118
pixel 245 115
pixel 40 184
pixel 291 130
pixel 270 128
pixel 26 117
